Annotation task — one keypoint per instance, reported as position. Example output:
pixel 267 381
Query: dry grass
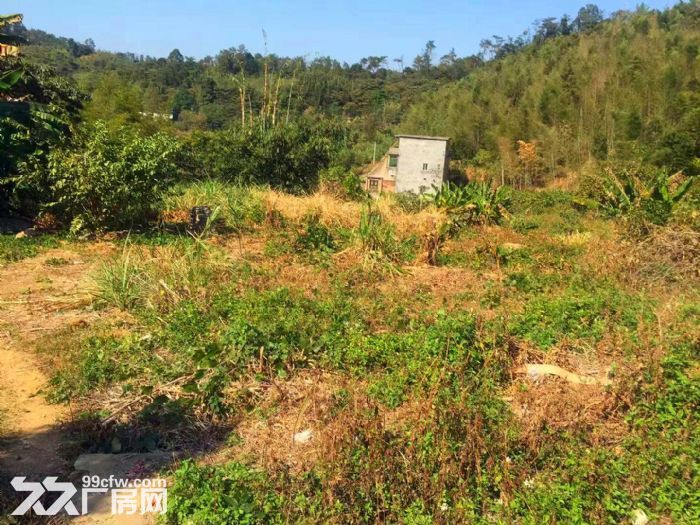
pixel 336 213
pixel 552 406
pixel 332 212
pixel 669 255
pixel 283 409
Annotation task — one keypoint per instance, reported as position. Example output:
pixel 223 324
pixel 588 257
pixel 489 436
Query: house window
pixel 374 185
pixel 425 166
pixel 393 161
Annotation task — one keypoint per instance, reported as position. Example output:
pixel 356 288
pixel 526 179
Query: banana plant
pixel 475 202
pixel 629 192
pixel 11 77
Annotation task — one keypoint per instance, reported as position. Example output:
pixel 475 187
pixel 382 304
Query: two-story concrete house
pixel 416 165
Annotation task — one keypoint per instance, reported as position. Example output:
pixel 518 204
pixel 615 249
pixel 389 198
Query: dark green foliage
pixel 108 179
pixel 289 157
pixel 342 182
pixel 30 128
pixel 314 235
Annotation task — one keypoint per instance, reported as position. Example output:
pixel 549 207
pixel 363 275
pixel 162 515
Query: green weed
pixel 221 495
pixel 13 249
pixel 379 241
pixel 578 313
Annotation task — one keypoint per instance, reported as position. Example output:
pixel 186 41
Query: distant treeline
pixel 206 93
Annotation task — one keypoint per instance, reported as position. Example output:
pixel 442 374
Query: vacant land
pixel 315 367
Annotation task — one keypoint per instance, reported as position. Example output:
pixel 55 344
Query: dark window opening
pixel 393 161
pixel 425 167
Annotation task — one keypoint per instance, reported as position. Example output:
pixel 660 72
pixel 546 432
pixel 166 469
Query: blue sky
pixel 347 30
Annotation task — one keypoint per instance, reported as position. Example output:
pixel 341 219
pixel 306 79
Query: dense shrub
pixel 343 183
pixel 109 179
pixel 289 157
pixel 39 118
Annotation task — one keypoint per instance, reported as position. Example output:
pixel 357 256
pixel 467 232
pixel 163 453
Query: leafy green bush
pixel 37 112
pixel 314 235
pixel 343 183
pixel 288 157
pixel 109 179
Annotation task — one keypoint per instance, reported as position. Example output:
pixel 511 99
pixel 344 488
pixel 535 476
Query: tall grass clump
pixel 159 277
pixel 119 281
pixel 239 207
pixel 379 241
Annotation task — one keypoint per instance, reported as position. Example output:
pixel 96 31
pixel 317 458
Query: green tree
pixel 115 101
pixel 424 61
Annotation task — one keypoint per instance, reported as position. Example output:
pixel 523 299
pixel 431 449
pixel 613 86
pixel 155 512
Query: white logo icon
pixel 50 484
pixel 129 496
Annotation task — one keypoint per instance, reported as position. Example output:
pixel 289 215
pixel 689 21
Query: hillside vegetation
pixel 626 89
pixel 520 346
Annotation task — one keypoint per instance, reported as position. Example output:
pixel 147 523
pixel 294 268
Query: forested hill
pixel 545 103
pixel 206 93
pixel 628 88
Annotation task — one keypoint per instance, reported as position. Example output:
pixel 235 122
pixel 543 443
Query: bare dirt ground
pixel 38 297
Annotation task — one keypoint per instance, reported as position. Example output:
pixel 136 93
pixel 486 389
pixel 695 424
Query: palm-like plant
pixel 475 202
pixel 653 196
pixel 11 77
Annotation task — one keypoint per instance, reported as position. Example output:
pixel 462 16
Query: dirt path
pixel 37 296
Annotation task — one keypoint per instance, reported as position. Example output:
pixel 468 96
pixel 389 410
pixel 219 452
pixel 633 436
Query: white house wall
pixel 413 153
